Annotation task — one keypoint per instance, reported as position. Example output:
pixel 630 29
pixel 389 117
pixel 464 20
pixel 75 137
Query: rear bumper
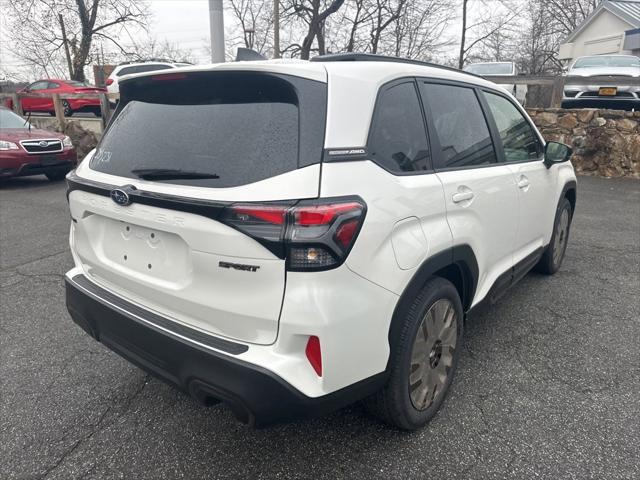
pixel 205 367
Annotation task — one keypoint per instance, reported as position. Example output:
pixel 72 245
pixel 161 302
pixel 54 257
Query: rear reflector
pixel 314 354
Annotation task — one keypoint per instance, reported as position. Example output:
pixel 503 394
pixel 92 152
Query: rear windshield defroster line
pixel 234 128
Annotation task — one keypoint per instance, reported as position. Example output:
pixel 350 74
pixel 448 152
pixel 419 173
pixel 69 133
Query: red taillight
pixel 346 233
pixel 169 76
pixel 310 235
pixel 274 215
pixel 109 81
pixel 322 214
pixel 314 355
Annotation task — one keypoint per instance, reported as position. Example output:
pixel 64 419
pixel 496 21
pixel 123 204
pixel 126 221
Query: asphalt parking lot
pixel 548 385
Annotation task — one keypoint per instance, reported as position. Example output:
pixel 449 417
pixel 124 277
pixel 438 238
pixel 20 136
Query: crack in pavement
pixel 98 426
pixel 44 257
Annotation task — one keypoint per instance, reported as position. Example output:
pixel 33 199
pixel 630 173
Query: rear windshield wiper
pixel 170 174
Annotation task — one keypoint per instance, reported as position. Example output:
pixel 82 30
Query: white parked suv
pixel 130 68
pixel 290 237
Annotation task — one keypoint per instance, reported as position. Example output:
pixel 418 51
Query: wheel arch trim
pixel 460 257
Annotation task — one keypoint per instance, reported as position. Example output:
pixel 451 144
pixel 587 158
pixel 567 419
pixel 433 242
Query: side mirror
pixel 556 152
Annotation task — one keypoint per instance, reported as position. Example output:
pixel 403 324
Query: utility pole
pixel 66 45
pixel 216 26
pixel 276 28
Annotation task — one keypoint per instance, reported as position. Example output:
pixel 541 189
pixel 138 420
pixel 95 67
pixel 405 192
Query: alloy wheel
pixel 432 354
pixel 561 236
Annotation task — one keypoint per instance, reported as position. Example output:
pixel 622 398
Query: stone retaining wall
pixel 604 142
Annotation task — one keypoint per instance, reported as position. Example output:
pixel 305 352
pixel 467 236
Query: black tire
pixel 56 176
pixel 394 403
pixel 552 257
pixel 68 112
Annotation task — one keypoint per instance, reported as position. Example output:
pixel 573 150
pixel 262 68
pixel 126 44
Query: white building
pixel 613 27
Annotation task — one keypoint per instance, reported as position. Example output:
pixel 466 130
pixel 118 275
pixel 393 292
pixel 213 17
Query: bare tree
pixel 153 48
pixel 313 14
pixel 252 25
pixel 568 13
pixel 386 13
pixel 419 31
pixel 483 26
pixel 356 17
pixel 37 33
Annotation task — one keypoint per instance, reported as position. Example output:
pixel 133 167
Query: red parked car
pixel 71 105
pixel 25 150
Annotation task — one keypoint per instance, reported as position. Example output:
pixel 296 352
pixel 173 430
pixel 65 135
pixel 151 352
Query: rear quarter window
pixel 398 138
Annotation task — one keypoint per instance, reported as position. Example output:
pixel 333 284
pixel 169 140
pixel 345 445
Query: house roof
pixel 627 10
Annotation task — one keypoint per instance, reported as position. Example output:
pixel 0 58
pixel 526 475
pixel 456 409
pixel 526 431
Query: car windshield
pixel 502 68
pixel 8 119
pixel 607 61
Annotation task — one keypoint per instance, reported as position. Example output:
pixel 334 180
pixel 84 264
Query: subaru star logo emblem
pixel 120 197
pixel 43 143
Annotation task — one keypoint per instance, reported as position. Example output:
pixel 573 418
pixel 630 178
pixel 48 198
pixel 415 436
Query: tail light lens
pixel 109 81
pixel 309 235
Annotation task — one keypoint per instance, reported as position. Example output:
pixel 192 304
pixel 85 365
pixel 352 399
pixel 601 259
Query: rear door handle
pixel 462 196
pixel 523 182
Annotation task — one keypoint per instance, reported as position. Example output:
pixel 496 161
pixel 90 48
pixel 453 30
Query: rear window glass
pixel 233 129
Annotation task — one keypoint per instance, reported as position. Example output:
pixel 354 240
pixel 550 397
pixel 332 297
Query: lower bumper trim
pixel 254 394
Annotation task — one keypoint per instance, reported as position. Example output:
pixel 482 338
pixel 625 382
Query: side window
pixel 52 85
pixel 41 85
pixel 460 125
pixel 398 138
pixel 127 71
pixel 519 140
pixel 152 67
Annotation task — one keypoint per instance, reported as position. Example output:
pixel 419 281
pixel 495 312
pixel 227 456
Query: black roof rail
pixel 374 57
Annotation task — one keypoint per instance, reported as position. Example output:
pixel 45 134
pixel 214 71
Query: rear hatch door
pixel 156 208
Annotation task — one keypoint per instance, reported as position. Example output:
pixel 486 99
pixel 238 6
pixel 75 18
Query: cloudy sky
pixel 182 22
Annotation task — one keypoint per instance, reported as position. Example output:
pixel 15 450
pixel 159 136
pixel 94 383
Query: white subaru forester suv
pixel 288 237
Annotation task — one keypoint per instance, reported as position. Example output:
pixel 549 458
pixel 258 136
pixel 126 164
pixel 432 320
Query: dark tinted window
pixel 398 139
pixel 519 141
pixel 241 128
pixel 460 125
pixel 53 85
pixel 142 68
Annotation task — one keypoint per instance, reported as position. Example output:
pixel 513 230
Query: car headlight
pixel 4 145
pixel 67 143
